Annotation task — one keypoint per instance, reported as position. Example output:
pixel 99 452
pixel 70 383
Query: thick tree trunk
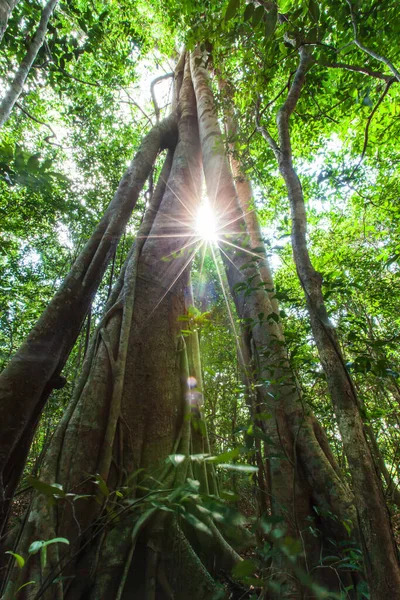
pixel 17 84
pixel 127 417
pixel 34 371
pixel 309 466
pixel 379 547
pixel 6 8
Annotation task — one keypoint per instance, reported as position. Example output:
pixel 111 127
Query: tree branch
pixel 356 68
pixel 47 138
pixel 377 105
pixel 138 106
pixel 153 95
pixel 266 134
pixel 372 53
pixel 15 89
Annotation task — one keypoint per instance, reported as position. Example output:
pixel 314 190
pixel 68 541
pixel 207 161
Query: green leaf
pixel 257 16
pixel 284 5
pixel 195 522
pixel 244 568
pixel 103 487
pixel 35 546
pixel 312 35
pixel 222 458
pixel 263 416
pixel 33 163
pixel 248 13
pixel 232 9
pixel 176 459
pixel 58 540
pixel 274 317
pixel 313 9
pixel 25 584
pixel 53 490
pixel 270 24
pixel 20 560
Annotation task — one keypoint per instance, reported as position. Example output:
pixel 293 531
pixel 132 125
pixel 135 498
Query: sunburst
pixel 203 231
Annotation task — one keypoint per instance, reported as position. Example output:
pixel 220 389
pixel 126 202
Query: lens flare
pixel 206 224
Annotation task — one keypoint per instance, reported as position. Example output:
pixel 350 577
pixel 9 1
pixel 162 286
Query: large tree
pixel 137 400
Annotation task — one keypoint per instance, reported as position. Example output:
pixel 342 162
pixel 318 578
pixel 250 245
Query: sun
pixel 206 223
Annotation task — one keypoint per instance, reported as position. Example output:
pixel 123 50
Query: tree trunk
pixel 6 8
pixel 17 84
pixel 127 417
pixel 308 465
pixel 379 547
pixel 34 371
pixel 244 193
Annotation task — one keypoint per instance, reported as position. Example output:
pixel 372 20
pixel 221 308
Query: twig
pixel 153 95
pixel 137 106
pixel 265 133
pixel 377 105
pixel 372 53
pixel 356 68
pixel 321 112
pixel 47 138
pixel 64 72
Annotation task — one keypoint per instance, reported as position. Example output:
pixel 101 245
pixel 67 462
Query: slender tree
pixel 379 547
pixel 292 430
pixel 6 8
pixel 17 84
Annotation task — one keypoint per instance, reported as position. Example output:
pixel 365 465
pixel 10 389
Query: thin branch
pixel 321 112
pixel 285 87
pixel 372 53
pixel 356 68
pixel 266 134
pixel 137 106
pixel 377 105
pixel 260 114
pixel 47 138
pixel 153 95
pixel 64 72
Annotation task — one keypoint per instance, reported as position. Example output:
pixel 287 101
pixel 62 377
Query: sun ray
pixel 240 248
pixel 230 260
pixel 187 263
pixel 179 200
pixel 241 216
pixel 183 247
pixel 214 200
pixel 232 320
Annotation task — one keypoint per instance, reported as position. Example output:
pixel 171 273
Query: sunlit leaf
pixel 19 559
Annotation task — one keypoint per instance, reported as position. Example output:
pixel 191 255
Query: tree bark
pixel 32 373
pixel 379 547
pixel 6 8
pixel 245 196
